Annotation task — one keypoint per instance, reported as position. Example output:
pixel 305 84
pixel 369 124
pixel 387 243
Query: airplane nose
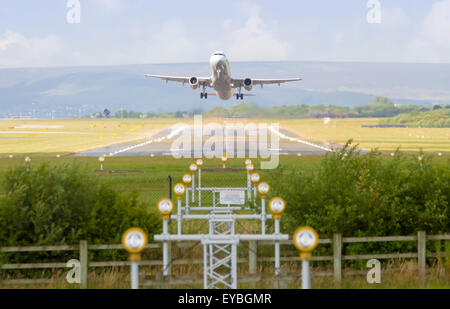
pixel 217 60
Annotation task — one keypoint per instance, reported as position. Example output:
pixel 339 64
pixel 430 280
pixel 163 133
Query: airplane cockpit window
pixel 219 54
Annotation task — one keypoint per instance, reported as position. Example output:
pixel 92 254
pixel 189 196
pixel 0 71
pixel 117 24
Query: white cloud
pixel 18 50
pixel 393 18
pixel 172 42
pixel 432 43
pixel 254 41
pixel 66 90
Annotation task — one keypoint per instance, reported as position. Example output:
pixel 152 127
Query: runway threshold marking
pixel 294 139
pixel 154 140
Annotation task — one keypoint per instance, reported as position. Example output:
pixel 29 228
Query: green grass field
pixel 63 136
pixel 385 139
pixel 73 135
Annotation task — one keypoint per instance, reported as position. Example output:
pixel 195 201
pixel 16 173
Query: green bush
pixel 65 204
pixel 367 195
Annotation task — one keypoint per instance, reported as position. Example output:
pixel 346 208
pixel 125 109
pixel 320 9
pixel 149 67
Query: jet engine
pixel 193 82
pixel 248 84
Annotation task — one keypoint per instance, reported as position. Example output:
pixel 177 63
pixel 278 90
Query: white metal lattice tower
pixel 220 255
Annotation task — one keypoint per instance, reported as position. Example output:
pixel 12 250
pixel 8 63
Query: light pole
pixel 306 240
pixel 199 163
pixel 193 168
pixel 420 158
pixel 277 206
pixel 101 159
pixel 263 189
pixel 179 189
pixel 165 208
pixel 249 167
pixel 187 179
pixel 254 178
pixel 134 240
pixel 27 163
pixel 224 160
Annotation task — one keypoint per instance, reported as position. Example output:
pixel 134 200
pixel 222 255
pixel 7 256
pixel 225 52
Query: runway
pixel 163 144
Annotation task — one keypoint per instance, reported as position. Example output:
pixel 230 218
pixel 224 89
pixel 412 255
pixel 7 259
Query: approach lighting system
pixel 101 159
pixel 224 158
pixel 250 168
pixel 306 239
pixel 165 206
pixel 134 240
pixel 187 178
pixel 255 178
pixel 179 189
pixel 199 162
pixel 277 205
pixel 247 162
pixel 27 159
pixel 193 167
pixel 263 188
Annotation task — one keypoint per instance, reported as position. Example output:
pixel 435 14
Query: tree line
pixel 381 107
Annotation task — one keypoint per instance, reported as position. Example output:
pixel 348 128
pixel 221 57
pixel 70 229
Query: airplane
pixel 221 80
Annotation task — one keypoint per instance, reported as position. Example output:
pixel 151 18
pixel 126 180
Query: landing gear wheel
pixel 205 95
pixel 201 95
pixel 237 96
pixel 242 96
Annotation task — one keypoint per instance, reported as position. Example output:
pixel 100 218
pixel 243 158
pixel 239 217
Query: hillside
pixel 76 91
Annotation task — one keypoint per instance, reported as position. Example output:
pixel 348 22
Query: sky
pixel 114 32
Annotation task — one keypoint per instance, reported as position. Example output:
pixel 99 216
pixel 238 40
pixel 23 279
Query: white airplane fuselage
pixel 221 76
pixel 221 81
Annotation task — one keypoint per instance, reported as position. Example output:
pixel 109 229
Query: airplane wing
pixel 201 80
pixel 240 82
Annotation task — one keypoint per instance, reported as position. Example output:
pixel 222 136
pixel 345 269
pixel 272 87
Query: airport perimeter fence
pixel 251 260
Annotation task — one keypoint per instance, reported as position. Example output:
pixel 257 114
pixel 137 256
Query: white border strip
pixel 174 132
pixel 293 139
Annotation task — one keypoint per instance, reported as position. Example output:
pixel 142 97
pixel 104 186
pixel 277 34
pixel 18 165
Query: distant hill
pixel 76 91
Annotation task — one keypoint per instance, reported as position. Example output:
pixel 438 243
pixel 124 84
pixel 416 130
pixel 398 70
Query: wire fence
pixel 186 261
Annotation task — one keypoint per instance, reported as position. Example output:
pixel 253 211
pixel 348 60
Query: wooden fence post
pixel 337 258
pixel 421 255
pixel 83 263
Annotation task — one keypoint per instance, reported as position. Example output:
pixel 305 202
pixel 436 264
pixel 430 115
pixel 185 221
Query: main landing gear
pixel 203 94
pixel 239 95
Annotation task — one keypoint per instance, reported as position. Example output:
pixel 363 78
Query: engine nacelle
pixel 193 82
pixel 248 84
